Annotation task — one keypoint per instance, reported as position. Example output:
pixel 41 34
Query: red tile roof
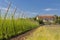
pixel 46 17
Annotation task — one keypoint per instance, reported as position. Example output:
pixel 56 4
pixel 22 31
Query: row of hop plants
pixel 12 27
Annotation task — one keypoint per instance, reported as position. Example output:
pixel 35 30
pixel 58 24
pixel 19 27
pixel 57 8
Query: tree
pixel 56 19
pixel 40 21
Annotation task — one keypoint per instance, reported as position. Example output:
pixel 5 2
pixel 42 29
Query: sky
pixel 33 7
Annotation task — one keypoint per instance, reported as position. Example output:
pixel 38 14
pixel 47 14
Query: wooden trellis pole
pixel 4 19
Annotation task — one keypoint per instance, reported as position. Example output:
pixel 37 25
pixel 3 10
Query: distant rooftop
pixel 46 16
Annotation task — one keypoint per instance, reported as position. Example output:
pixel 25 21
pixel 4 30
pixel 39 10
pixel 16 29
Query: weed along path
pixel 46 32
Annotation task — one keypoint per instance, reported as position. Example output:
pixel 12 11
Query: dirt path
pixel 46 32
pixel 24 36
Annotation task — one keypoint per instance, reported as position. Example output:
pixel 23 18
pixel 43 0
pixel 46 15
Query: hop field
pixel 14 27
pixel 10 27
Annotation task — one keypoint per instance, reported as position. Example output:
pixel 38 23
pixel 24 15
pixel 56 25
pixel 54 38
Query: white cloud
pixel 2 8
pixel 50 9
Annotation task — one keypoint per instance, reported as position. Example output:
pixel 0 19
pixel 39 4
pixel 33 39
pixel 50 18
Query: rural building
pixel 46 18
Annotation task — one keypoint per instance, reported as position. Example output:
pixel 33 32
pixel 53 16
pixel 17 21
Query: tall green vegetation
pixel 40 21
pixel 57 19
pixel 18 26
pixel 11 27
pixel 3 22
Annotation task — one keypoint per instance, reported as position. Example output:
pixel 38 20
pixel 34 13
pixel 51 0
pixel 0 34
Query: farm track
pixel 27 34
pixel 24 35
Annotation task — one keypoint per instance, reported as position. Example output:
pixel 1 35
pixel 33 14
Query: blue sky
pixel 34 7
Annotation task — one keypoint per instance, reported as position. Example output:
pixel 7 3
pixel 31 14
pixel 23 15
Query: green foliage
pixel 15 27
pixel 40 21
pixel 57 19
